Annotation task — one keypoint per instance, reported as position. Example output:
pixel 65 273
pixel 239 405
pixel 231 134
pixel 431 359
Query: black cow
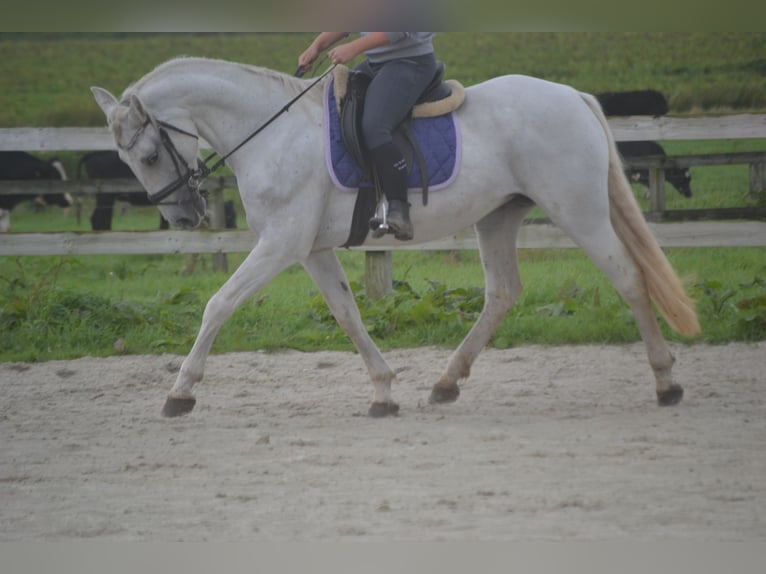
pixel 643 103
pixel 633 103
pixel 18 166
pixel 679 178
pixel 108 165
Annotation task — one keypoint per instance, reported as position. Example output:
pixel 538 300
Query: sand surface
pixel 545 443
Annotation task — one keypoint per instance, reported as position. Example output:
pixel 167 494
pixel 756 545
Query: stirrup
pixel 379 222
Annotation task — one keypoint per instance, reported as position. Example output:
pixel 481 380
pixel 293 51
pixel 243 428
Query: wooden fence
pixel 688 234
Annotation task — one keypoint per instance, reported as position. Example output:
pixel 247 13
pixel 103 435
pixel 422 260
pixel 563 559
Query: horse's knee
pixel 217 310
pixel 500 298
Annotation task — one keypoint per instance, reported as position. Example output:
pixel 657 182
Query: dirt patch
pixel 550 443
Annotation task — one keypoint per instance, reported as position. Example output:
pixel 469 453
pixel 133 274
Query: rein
pixel 193 178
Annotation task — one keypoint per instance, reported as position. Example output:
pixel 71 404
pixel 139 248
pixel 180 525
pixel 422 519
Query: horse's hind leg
pixel 496 234
pixel 608 253
pixel 327 273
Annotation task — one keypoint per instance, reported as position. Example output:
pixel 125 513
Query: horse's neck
pixel 227 101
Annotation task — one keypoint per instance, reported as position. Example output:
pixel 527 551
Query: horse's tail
pixel 663 284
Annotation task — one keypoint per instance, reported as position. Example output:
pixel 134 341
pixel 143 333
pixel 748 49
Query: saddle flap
pixel 351 108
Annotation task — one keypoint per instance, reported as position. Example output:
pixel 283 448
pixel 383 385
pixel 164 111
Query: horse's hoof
pixel 380 410
pixel 670 397
pixel 440 395
pixel 177 407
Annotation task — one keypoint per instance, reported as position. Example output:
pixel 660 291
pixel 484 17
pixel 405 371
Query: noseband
pixel 192 178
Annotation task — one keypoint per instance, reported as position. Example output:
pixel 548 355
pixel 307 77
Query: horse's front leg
pixel 256 270
pixel 327 273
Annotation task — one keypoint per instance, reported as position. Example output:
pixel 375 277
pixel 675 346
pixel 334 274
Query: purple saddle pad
pixel 438 138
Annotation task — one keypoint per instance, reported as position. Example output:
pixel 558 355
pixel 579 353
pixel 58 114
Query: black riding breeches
pixel 393 91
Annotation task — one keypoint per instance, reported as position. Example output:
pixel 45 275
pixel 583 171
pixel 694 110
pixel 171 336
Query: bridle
pixel 194 178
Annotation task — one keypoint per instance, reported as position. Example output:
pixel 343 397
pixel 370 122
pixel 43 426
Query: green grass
pixel 46 77
pixel 66 307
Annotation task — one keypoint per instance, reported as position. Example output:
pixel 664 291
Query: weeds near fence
pixel 38 319
pixel 61 308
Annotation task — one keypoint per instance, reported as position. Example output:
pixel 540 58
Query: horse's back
pixel 520 90
pixel 525 108
pixel 531 117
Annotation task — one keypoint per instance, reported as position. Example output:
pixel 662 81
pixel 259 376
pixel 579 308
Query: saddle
pixel 440 97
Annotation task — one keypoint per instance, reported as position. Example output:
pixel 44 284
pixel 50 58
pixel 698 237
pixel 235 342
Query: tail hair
pixel 663 285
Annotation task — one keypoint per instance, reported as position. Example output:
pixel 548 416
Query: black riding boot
pixel 392 172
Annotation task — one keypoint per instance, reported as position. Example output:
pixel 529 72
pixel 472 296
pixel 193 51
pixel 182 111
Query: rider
pixel 401 65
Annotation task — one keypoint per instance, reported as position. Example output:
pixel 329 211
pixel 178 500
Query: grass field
pixel 46 77
pixel 54 307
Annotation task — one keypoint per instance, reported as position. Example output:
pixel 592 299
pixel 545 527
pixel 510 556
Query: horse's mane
pixel 183 62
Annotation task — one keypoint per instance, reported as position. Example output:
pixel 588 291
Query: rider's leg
pixel 392 173
pixel 393 90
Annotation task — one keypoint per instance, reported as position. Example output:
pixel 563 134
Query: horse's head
pixel 163 155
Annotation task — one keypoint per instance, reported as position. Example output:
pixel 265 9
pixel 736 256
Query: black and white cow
pixel 23 166
pixel 106 164
pixel 680 178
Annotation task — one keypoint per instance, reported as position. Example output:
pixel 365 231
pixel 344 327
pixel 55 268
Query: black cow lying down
pixel 633 103
pixel 21 166
pixel 679 178
pixel 107 164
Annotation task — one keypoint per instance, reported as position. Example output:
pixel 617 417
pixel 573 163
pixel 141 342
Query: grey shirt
pixel 402 45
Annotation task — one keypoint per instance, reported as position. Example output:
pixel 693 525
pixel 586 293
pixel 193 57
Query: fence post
pixel 377 274
pixel 657 190
pixel 217 221
pixel 758 182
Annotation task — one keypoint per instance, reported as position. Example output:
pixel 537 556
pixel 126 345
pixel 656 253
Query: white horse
pixel 526 142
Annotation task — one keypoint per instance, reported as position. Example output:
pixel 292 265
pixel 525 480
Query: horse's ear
pixel 104 99
pixel 137 107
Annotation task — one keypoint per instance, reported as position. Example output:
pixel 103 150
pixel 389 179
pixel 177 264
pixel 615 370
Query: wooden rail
pixel 657 164
pixel 537 236
pixel 729 126
pixel 94 186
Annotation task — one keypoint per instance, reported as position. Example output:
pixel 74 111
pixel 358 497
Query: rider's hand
pixel 343 54
pixel 307 58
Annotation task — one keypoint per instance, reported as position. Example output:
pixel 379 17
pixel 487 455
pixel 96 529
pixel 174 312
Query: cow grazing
pixel 633 103
pixel 107 164
pixel 679 178
pixel 22 166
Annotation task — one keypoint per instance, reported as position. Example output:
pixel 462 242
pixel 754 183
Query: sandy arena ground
pixel 545 443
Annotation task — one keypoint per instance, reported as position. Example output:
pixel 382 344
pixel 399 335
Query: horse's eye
pixel 151 159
